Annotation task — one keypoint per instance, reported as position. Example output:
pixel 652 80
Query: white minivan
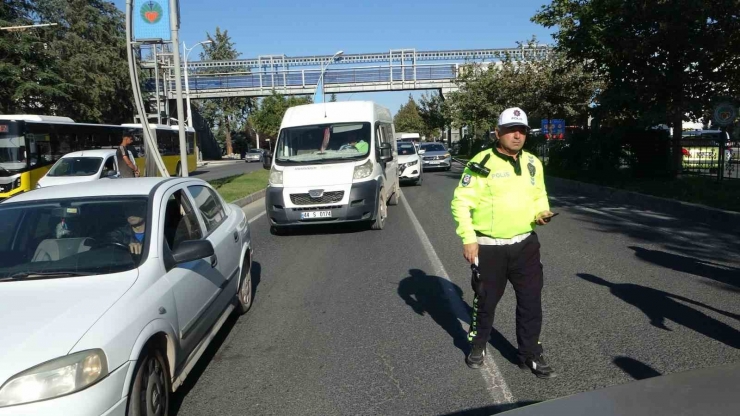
pixel 333 162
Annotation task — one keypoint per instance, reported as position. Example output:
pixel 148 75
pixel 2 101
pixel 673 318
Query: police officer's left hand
pixel 540 218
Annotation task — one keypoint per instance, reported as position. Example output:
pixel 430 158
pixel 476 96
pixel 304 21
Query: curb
pixel 702 213
pixel 242 202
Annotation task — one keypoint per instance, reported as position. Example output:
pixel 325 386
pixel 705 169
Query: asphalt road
pixel 349 321
pixel 224 169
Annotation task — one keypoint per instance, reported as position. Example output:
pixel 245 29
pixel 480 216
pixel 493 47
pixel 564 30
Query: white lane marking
pixel 256 217
pixel 497 386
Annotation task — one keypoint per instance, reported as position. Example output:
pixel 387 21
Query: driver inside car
pixel 132 234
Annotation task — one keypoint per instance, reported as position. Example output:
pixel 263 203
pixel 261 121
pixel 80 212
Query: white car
pixel 112 293
pixel 409 163
pixel 82 166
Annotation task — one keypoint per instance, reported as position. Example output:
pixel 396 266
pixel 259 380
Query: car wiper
pixel 42 275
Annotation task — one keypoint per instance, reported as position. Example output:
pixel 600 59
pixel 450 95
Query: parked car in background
pixel 82 166
pixel 115 292
pixel 409 163
pixel 435 156
pixel 254 155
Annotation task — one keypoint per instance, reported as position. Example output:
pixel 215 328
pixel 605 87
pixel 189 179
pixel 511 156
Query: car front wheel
pixel 244 295
pixel 150 390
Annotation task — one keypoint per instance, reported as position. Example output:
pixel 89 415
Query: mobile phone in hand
pixel 547 219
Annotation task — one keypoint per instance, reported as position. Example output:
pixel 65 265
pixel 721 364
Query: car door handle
pixel 214 260
pixel 236 236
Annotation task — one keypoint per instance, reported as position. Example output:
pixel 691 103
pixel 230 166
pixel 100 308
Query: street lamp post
pixel 186 52
pixel 187 83
pixel 323 68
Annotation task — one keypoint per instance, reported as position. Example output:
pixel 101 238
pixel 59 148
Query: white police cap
pixel 513 117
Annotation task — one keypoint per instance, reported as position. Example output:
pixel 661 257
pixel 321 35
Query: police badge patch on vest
pixel 532 169
pixel 466 180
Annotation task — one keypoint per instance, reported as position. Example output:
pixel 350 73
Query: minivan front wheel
pixel 382 212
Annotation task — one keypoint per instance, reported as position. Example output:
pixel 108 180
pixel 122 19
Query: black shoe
pixel 539 367
pixel 476 357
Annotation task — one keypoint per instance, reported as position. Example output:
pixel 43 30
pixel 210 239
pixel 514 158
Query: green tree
pixel 28 80
pixel 88 49
pixel 545 86
pixel 226 115
pixel 268 115
pixel 433 113
pixel 408 118
pixel 663 61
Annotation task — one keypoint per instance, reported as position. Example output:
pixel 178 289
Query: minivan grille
pixel 326 198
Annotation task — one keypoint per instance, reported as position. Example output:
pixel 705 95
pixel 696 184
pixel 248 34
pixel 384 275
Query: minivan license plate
pixel 315 214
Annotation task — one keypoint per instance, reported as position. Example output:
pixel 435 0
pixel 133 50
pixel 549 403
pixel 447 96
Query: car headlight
pixel 447 155
pixel 413 163
pixel 363 171
pixel 58 377
pixel 276 177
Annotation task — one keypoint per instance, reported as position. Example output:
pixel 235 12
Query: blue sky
pixel 297 28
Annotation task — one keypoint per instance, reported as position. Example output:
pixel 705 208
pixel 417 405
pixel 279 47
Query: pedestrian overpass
pixel 395 70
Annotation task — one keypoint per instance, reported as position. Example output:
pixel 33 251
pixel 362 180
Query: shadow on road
pixel 490 410
pixel 690 265
pixel 689 237
pixel 636 369
pixel 210 353
pixel 425 294
pixel 658 306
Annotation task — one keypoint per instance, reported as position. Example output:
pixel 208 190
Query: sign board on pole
pixel 724 114
pixel 151 20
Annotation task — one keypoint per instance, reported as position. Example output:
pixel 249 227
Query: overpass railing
pixel 307 78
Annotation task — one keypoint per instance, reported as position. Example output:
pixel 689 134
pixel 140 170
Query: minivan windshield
pixel 323 142
pixel 76 166
pixel 71 237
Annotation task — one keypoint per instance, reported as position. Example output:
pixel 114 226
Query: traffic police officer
pixel 500 199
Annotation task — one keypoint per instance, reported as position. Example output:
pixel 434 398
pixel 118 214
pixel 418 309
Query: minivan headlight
pixel 363 171
pixel 276 177
pixel 58 377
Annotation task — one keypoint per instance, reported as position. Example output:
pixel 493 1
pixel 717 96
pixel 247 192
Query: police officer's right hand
pixel 470 252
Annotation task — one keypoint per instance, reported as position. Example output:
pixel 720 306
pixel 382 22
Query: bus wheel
pixel 178 170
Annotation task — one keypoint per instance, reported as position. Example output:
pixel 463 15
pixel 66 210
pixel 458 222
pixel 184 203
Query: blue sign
pixel 151 19
pixel 558 127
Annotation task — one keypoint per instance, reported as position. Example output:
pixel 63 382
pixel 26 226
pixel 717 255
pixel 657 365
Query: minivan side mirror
pixel 267 161
pixel 192 250
pixel 386 152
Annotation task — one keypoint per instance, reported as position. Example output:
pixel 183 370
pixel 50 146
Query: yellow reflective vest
pixel 504 204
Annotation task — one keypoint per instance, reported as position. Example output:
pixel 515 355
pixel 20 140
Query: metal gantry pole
pixel 156 85
pixel 178 89
pixel 152 150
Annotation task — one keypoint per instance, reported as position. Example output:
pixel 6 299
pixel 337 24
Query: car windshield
pixel 324 142
pixel 433 147
pixel 76 166
pixel 406 149
pixel 255 151
pixel 13 155
pixel 71 236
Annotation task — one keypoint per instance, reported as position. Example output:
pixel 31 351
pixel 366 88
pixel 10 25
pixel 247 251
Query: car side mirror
pixel 421 151
pixel 267 161
pixel 386 152
pixel 192 250
pixel 112 174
